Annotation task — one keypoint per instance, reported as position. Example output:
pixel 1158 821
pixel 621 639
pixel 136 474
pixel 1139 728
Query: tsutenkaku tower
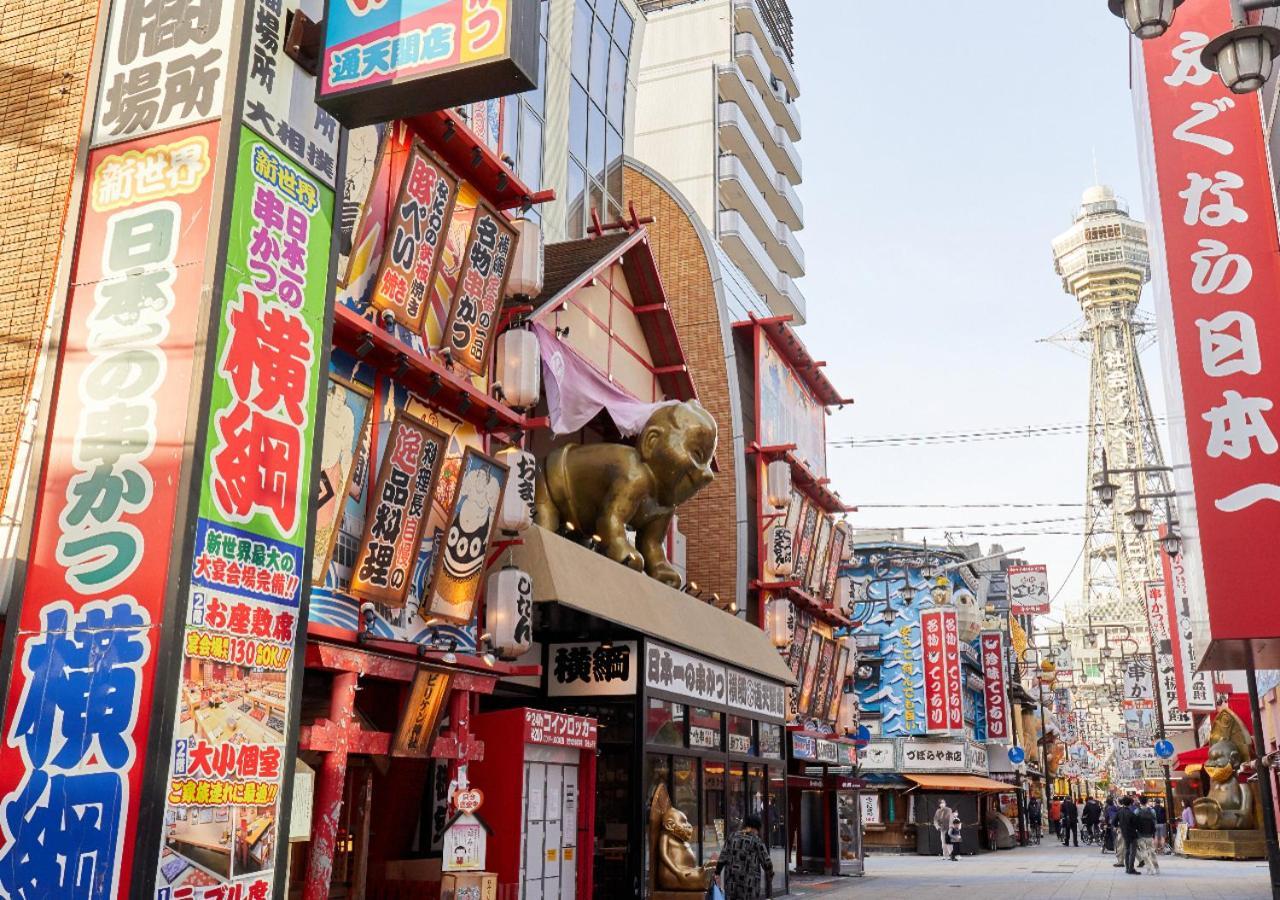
pixel 1103 262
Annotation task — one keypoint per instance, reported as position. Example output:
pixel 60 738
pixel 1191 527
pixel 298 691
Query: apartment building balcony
pixel 791 210
pixel 738 139
pixel 747 18
pixel 750 255
pixel 790 253
pixel 791 293
pixel 735 88
pixel 739 191
pixel 751 60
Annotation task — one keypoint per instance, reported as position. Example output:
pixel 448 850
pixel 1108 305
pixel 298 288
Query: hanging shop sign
pixel 683 674
pixel 778 553
pixel 759 697
pixel 465 843
pixel 482 284
pixel 592 669
pixel 1195 689
pixel 789 412
pixel 934 756
pixel 555 729
pixel 995 687
pixel 835 556
pixel 818 558
pixel 809 515
pixel 1028 590
pixel 809 673
pixel 818 697
pixel 1210 189
pixel 460 557
pixel 242 614
pixel 345 445
pixel 402 497
pixel 419 225
pixel 383 61
pixel 421 714
pixel 943 685
pixel 279 95
pixel 1173 715
pixel 836 699
pixel 162 68
pixel 88 626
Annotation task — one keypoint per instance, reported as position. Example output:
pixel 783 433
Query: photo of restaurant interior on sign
pixel 205 845
pixel 228 702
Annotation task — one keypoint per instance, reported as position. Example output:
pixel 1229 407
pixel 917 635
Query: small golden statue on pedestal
pixel 673 870
pixel 1227 819
pixel 1230 803
pixel 602 489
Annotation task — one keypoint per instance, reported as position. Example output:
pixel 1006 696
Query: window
pixel 617 87
pixel 581 53
pixel 665 724
pixel 595 141
pixel 740 737
pixel 622 28
pixel 578 122
pixel 713 831
pixel 599 83
pixel 684 790
pixel 704 728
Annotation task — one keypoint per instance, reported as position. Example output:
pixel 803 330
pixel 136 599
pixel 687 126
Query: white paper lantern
pixel 778 483
pixel 779 622
pixel 508 612
pixel 779 556
pixel 526 265
pixel 844 598
pixel 518 367
pixel 516 512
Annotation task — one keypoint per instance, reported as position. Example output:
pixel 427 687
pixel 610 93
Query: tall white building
pixel 715 113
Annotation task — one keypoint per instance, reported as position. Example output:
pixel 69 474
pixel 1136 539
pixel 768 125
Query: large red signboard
pixel 943 687
pixel 996 691
pixel 1217 270
pixel 90 616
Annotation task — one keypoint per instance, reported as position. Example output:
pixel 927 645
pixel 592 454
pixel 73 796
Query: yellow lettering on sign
pixel 552 855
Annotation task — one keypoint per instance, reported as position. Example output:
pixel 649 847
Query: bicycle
pixel 1091 835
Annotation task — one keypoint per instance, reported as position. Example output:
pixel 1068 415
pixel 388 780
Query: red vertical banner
pixel 943 687
pixel 1216 273
pixel 995 687
pixel 90 617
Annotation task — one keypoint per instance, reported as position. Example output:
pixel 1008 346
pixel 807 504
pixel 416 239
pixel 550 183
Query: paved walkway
pixel 1047 871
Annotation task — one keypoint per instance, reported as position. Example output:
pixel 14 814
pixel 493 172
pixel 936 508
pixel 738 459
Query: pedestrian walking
pixel 1055 814
pixel 1162 827
pixel 1034 816
pixel 1146 817
pixel 1090 816
pixel 1069 824
pixel 1109 812
pixel 745 862
pixel 955 835
pixel 1127 836
pixel 942 822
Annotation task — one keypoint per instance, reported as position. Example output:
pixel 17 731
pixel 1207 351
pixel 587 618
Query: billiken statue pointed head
pixel 677 444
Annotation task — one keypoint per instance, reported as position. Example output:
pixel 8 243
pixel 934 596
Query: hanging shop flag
pixel 460 559
pixel 834 557
pixel 809 673
pixel 89 624
pixel 804 548
pixel 837 696
pixel 346 441
pixel 1217 264
pixel 421 714
pixel 279 95
pixel 376 160
pixel 419 224
pixel 1172 713
pixel 1138 703
pixel 943 686
pixel 482 283
pixel 161 68
pixel 229 754
pixel 995 687
pixel 818 559
pixel 383 61
pixel 1028 590
pixel 402 497
pixel 1195 689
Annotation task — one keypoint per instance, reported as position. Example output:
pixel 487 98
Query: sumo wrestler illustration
pixel 602 489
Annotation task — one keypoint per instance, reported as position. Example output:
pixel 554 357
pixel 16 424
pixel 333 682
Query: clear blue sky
pixel 944 145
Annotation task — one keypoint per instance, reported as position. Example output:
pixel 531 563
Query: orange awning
pixel 957 783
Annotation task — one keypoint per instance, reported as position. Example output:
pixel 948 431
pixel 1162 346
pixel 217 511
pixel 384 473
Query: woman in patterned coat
pixel 743 859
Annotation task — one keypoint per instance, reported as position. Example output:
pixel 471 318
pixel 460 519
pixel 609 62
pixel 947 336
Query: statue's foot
pixel 667 574
pixel 622 552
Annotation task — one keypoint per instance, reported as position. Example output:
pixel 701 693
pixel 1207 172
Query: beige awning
pixel 571 575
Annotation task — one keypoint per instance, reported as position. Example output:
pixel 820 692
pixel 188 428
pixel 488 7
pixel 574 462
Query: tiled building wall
pixel 45 46
pixel 710 518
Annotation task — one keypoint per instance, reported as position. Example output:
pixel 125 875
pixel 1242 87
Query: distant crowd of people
pixel 1132 827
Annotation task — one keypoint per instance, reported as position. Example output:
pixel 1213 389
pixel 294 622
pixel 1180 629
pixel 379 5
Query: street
pixel 1049 870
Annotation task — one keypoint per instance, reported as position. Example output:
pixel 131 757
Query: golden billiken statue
pixel 602 489
pixel 1229 804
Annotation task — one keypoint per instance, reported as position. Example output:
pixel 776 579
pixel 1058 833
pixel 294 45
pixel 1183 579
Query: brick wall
pixel 709 519
pixel 45 47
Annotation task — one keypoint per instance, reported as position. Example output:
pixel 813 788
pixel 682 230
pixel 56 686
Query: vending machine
pixel 538 776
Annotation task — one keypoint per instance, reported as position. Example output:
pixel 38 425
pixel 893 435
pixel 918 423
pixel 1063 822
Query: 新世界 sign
pixel 390 60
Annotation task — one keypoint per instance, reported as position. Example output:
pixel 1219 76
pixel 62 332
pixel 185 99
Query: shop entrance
pixel 966 806
pixel 549 868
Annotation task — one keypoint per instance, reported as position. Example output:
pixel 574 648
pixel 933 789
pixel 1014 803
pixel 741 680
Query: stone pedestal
pixel 1213 843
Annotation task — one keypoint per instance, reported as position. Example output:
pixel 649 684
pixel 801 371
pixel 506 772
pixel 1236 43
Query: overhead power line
pixel 999 433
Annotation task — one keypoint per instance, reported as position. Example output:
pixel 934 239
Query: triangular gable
pixel 607 292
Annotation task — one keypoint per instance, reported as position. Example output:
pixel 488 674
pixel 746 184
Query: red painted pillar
pixel 329 784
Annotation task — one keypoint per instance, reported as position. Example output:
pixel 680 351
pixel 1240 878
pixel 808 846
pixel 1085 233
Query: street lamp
pixel 1243 56
pixel 1140 516
pixel 1171 543
pixel 1146 18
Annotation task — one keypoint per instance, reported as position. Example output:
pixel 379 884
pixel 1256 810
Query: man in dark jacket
pixel 1090 816
pixel 1070 825
pixel 1127 825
